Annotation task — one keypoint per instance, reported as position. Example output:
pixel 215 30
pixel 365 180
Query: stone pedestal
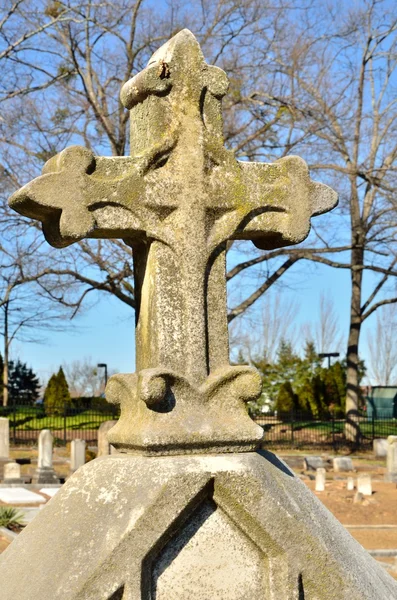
pixel 227 527
pixel 391 460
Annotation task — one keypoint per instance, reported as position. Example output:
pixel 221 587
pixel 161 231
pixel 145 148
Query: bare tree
pixel 260 335
pixel 84 379
pixel 382 344
pixel 325 331
pixel 337 93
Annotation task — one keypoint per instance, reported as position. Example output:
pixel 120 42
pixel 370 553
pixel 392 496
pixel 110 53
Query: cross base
pixel 173 416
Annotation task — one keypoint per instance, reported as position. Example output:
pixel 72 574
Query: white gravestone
pixel 320 480
pixel 364 484
pixel 45 472
pixel 391 460
pixel 342 463
pixel 104 447
pixel 77 454
pixel 4 437
pixel 380 447
pixel 350 484
pixel 12 473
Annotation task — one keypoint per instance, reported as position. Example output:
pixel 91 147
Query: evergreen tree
pixel 286 401
pixel 23 384
pixel 57 395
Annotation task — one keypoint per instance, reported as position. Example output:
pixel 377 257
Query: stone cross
pixel 177 201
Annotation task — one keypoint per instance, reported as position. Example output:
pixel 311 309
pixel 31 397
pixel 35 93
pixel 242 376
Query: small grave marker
pixel 320 480
pixel 12 473
pixel 350 484
pixel 364 484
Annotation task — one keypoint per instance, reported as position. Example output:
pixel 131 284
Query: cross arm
pixel 80 195
pixel 269 204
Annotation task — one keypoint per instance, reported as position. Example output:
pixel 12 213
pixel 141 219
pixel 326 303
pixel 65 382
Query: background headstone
pixel 4 438
pixel 350 484
pixel 391 461
pixel 320 480
pixel 311 463
pixel 77 454
pixel 45 472
pixel 342 463
pixel 380 447
pixel 12 473
pixel 104 448
pixel 364 484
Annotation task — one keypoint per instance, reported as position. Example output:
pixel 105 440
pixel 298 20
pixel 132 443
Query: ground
pixel 366 520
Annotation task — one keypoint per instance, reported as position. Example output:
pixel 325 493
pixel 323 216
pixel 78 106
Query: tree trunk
pixel 352 429
pixel 5 366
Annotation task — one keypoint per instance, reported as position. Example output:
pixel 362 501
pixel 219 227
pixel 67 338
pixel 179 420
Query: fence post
pixel 333 431
pixel 64 422
pixel 373 426
pixel 292 427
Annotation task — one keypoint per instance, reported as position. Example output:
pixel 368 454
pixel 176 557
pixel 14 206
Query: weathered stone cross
pixel 177 201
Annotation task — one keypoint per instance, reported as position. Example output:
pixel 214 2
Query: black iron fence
pixel 282 430
pixel 80 421
pixel 299 430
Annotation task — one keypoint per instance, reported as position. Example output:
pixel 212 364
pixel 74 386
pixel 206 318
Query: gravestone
pixel 311 463
pixel 188 507
pixel 320 480
pixel 4 438
pixel 45 472
pixel 350 484
pixel 77 454
pixel 380 447
pixel 364 484
pixel 12 473
pixel 104 447
pixel 391 460
pixel 342 463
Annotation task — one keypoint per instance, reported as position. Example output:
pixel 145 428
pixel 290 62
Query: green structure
pixel 381 402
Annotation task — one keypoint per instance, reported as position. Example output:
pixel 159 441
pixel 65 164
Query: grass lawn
pixel 84 420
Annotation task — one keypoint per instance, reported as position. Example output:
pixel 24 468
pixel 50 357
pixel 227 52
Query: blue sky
pixel 106 331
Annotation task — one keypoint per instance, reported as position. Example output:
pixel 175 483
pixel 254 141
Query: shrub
pixel 11 518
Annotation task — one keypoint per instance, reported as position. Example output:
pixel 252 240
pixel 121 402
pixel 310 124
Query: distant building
pixel 381 401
